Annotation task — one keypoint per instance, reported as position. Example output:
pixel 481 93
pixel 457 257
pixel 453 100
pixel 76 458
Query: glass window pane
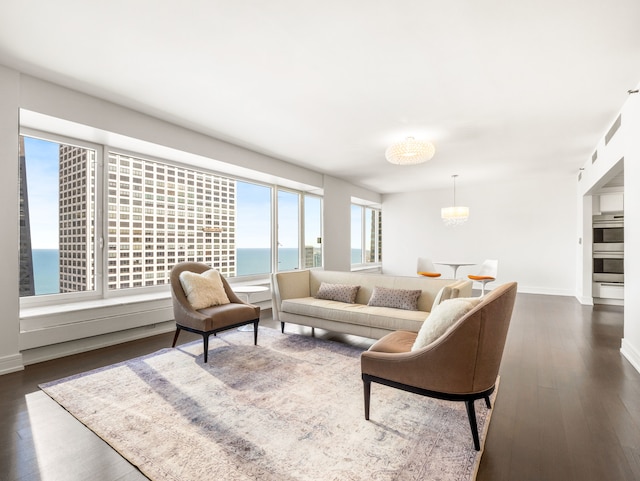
pixel 253 235
pixel 165 214
pixel 288 230
pixel 312 232
pixel 369 235
pixel 356 234
pixel 57 217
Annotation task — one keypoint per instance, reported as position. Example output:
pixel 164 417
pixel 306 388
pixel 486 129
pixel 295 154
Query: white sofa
pixel 294 301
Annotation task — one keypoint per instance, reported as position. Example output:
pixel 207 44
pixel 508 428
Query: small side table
pixel 246 291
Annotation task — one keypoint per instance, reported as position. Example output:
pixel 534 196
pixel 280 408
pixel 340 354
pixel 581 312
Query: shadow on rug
pixel 288 409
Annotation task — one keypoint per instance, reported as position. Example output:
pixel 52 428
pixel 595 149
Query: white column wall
pixel 336 239
pixel 528 225
pixel 631 131
pixel 10 358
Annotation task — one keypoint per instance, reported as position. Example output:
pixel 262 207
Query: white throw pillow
pixel 203 290
pixel 443 316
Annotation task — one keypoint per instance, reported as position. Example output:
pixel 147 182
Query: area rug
pixel 288 409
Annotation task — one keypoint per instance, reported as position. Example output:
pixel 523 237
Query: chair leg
pixel 487 402
pixel 175 338
pixel 255 332
pixel 205 339
pixel 282 327
pixel 471 411
pixel 367 397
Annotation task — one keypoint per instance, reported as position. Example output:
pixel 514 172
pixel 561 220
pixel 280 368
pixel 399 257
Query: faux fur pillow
pixel 398 298
pixel 338 292
pixel 443 316
pixel 203 290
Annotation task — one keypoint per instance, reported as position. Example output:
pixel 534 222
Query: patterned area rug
pixel 288 409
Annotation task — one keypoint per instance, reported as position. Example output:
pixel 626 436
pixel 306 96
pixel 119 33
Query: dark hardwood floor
pixel 568 406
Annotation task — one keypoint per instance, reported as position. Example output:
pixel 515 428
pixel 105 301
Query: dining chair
pixel 426 268
pixel 487 273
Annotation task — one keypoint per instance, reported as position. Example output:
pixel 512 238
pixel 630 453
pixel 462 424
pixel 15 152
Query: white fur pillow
pixel 443 316
pixel 203 290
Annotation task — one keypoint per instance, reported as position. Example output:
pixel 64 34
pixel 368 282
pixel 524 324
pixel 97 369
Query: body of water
pixel 46 263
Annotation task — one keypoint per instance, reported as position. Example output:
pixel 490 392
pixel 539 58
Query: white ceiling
pixel 505 89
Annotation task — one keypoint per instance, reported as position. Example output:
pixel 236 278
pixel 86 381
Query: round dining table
pixel 455 266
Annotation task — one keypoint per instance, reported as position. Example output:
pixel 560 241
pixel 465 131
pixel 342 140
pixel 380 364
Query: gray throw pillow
pixel 398 298
pixel 337 292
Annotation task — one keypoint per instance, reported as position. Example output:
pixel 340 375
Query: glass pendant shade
pixel 410 151
pixel 456 214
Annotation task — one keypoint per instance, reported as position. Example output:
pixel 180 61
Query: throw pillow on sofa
pixel 443 316
pixel 203 290
pixel 337 292
pixel 398 298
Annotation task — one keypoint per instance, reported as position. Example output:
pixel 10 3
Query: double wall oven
pixel 608 256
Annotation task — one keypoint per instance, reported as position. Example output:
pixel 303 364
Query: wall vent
pixel 612 131
pixel 594 157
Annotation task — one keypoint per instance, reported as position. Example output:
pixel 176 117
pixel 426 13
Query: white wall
pixel 51 107
pixel 336 240
pixel 631 132
pixel 10 358
pixel 529 226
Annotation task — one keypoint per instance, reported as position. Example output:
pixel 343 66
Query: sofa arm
pixel 288 285
pixel 458 288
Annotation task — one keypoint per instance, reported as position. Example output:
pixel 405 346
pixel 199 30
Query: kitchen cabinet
pixel 613 202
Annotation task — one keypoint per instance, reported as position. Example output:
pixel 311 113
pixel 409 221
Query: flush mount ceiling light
pixel 410 151
pixel 456 214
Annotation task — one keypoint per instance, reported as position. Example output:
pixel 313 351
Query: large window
pixel 312 232
pixel 253 235
pixel 57 217
pixel 366 235
pixel 88 226
pixel 288 230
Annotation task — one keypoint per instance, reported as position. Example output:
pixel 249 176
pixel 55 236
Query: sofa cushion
pixel 397 298
pixel 443 316
pixel 337 292
pixel 203 290
pixel 359 314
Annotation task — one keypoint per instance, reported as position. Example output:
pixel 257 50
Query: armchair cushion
pixel 443 316
pixel 203 290
pixel 337 292
pixel 398 298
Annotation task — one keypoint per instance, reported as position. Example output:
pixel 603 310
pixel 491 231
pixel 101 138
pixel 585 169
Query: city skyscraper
pixel 26 281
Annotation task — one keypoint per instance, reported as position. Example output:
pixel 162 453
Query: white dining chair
pixel 426 268
pixel 487 273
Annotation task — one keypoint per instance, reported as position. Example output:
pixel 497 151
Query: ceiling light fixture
pixel 456 214
pixel 410 151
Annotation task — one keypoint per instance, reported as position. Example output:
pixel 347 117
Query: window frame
pixel 98 292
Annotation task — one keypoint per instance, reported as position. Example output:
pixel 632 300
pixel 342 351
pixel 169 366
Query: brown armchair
pixel 210 320
pixel 461 365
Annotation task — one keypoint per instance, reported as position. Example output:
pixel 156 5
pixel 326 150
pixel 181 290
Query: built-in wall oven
pixel 608 255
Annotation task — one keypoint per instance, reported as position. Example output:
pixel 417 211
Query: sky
pixel 253 205
pixel 42 185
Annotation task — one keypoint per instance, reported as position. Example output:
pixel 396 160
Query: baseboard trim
pixel 631 354
pixel 11 363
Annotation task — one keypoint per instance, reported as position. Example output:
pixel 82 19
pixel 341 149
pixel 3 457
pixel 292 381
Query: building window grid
pixel 161 204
